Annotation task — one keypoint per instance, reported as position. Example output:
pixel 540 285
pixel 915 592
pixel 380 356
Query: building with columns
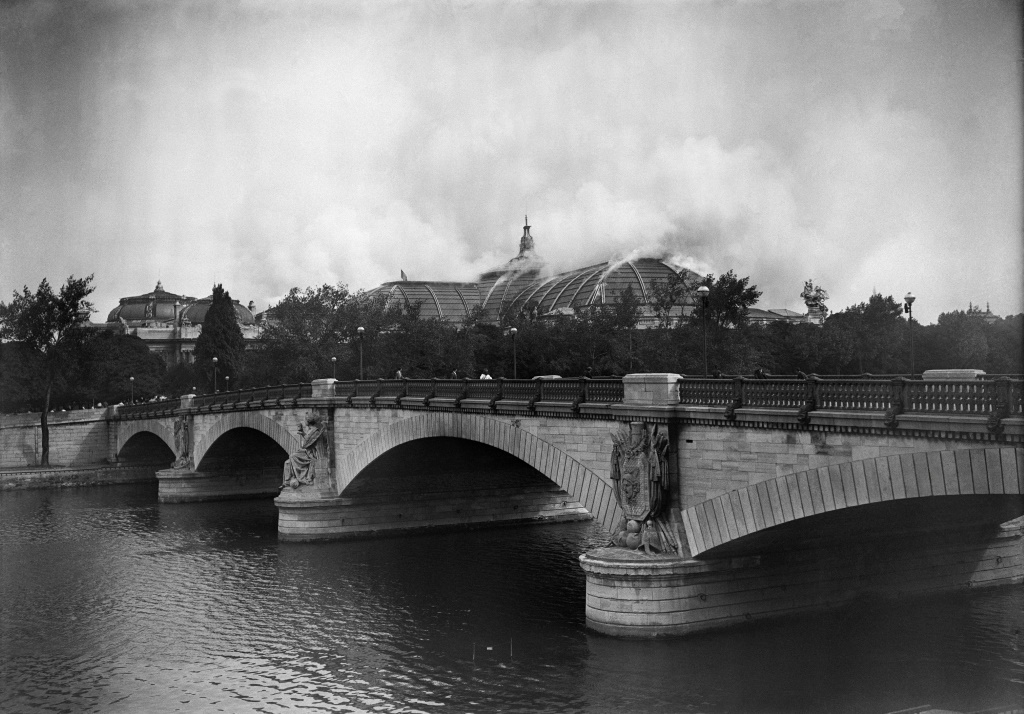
pixel 170 324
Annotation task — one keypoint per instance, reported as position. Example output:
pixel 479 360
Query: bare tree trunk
pixel 44 459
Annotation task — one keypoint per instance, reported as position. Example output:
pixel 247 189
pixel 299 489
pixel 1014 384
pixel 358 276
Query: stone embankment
pixel 79 452
pixel 67 476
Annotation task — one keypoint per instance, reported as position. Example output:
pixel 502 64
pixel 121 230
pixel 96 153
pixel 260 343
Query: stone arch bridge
pixel 783 495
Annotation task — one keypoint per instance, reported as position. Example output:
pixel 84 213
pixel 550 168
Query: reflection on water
pixel 111 602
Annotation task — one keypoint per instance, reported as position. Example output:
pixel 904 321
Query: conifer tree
pixel 221 338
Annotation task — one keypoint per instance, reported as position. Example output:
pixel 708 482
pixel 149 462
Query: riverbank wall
pixel 80 452
pixel 63 477
pixel 78 438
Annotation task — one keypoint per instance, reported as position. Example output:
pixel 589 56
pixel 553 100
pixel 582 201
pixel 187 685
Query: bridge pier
pixel 184 485
pixel 772 496
pixel 630 594
pixel 304 515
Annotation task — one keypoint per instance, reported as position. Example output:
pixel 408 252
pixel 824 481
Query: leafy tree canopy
pixel 49 325
pixel 668 296
pixel 110 361
pixel 876 333
pixel 729 300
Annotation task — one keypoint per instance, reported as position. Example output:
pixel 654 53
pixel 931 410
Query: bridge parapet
pixel 147 410
pixel 992 406
pixel 975 406
pixel 255 398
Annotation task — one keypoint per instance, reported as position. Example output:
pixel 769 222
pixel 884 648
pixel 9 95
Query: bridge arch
pixel 127 429
pixel 583 484
pixel 250 420
pixel 774 502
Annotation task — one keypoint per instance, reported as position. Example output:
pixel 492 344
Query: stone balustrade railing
pixel 256 397
pixel 145 410
pixel 993 399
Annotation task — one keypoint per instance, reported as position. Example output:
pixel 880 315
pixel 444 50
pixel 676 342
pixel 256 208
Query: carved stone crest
pixel 314 452
pixel 182 443
pixel 639 472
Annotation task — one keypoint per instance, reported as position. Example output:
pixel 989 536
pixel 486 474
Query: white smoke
pixel 267 145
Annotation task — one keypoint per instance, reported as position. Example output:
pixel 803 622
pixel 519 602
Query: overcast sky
pixel 871 146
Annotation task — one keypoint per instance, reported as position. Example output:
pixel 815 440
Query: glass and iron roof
pixel 521 285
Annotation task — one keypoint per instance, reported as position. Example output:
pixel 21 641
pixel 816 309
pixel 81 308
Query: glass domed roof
pixel 600 284
pixel 521 284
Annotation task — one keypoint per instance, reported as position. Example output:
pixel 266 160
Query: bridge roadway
pixel 786 495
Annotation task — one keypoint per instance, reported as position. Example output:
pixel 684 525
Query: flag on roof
pixel 403 275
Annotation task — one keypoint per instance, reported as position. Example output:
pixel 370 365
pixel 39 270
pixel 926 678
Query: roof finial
pixel 526 242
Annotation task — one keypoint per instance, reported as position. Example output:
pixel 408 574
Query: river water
pixel 112 602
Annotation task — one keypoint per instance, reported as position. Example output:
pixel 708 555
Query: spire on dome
pixel 526 242
pixel 159 287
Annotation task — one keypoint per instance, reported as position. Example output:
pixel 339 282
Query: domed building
pixel 521 286
pixel 170 323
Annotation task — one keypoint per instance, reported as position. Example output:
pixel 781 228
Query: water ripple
pixel 111 602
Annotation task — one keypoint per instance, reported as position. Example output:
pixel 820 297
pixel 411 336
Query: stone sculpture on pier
pixel 639 472
pixel 182 444
pixel 300 468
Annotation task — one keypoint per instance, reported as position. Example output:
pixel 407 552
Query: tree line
pixel 49 360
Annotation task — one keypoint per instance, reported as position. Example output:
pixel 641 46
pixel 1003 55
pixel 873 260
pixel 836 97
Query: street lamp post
pixel 214 375
pixel 334 367
pixel 227 382
pixel 908 307
pixel 515 361
pixel 359 333
pixel 630 351
pixel 703 291
pixel 131 383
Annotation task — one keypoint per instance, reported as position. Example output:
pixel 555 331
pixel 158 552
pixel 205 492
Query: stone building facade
pixel 170 324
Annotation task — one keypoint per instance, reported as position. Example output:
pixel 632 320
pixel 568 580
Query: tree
pixel 19 377
pixel 789 348
pixel 1006 345
pixel 309 327
pixel 304 331
pixel 109 361
pixel 49 325
pixel 876 335
pixel 971 340
pixel 627 309
pixel 180 379
pixel 221 337
pixel 668 295
pixel 729 300
pixel 626 313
